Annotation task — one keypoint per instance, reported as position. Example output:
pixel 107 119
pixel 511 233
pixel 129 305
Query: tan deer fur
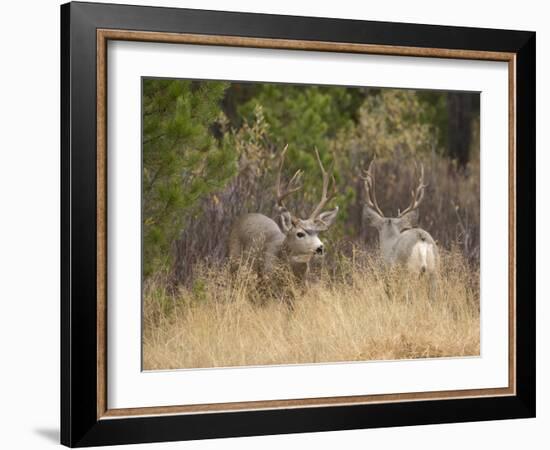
pixel 400 241
pixel 293 241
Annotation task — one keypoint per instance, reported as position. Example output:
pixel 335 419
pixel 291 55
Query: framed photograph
pixel 276 224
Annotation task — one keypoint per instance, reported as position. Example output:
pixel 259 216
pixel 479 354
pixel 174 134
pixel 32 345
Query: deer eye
pixel 300 234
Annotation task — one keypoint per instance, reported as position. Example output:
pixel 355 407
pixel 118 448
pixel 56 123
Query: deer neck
pixel 388 239
pixel 299 269
pixel 299 266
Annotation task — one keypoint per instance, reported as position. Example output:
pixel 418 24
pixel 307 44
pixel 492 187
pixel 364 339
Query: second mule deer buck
pixel 295 241
pixel 400 242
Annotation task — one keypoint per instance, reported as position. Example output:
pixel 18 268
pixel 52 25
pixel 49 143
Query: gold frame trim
pixel 104 35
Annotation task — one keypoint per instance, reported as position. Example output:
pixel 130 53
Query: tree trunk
pixel 459 107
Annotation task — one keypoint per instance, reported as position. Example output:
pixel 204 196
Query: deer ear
pixel 372 217
pixel 286 221
pixel 409 220
pixel 326 219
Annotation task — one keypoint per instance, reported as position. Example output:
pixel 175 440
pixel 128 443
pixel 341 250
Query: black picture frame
pixel 80 425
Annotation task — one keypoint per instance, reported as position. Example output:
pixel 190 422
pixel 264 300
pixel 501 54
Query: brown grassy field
pixel 355 313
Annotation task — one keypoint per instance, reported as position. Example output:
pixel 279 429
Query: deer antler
pixel 291 187
pixel 370 193
pixel 416 194
pixel 328 182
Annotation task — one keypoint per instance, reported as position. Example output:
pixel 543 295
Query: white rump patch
pixel 422 257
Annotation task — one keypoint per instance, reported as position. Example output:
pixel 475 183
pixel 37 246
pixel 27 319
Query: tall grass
pixel 354 309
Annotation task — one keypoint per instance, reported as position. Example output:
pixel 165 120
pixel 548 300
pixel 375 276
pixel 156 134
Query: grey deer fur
pixel 400 242
pixel 295 241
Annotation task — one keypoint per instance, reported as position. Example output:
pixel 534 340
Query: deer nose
pixel 320 250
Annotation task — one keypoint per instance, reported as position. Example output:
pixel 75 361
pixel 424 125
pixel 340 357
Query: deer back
pixel 417 250
pixel 255 231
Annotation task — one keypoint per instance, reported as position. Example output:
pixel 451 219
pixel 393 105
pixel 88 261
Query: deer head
pixel 302 238
pixel 390 226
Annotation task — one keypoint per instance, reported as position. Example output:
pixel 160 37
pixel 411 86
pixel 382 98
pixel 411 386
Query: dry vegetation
pixel 210 155
pixel 355 311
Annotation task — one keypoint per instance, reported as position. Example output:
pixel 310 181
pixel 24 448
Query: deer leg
pixel 433 287
pixel 267 265
pixel 387 289
pixel 235 255
pixel 269 261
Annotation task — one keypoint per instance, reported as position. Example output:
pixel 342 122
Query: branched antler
pixel 370 193
pixel 292 186
pixel 329 184
pixel 417 195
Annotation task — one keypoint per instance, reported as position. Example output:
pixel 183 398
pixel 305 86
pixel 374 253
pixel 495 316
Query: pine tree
pixel 182 160
pixel 306 117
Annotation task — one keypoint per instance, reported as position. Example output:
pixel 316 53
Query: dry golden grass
pixel 355 313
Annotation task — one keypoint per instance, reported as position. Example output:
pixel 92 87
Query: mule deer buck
pixel 295 241
pixel 400 242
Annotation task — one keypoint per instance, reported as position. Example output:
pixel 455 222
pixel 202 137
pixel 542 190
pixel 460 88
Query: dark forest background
pixel 210 153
